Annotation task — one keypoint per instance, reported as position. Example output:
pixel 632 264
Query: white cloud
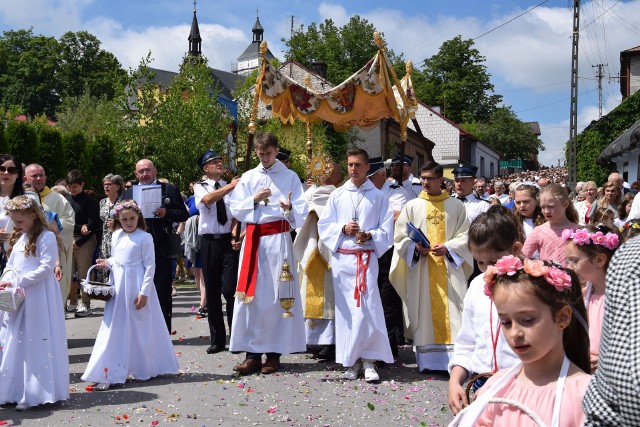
pixel 335 12
pixel 49 17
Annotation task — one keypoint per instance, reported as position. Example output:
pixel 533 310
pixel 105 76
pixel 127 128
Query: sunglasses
pixel 12 170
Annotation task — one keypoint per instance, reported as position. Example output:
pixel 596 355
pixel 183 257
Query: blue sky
pixel 529 58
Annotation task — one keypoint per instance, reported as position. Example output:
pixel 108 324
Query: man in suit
pixel 160 227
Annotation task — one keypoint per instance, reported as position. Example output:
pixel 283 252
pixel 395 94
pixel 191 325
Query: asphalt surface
pixel 206 392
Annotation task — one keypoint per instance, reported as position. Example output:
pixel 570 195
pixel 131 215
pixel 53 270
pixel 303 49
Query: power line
pixel 554 102
pixel 510 20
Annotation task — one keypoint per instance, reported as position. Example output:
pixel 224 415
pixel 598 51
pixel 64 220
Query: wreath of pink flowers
pixel 510 265
pixel 19 203
pixel 124 205
pixel 582 236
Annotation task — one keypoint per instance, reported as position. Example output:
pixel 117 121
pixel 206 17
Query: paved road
pixel 305 392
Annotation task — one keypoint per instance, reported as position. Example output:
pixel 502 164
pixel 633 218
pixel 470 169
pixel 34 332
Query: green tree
pixel 22 141
pixel 100 154
pixel 345 50
pixel 171 126
pixel 456 79
pixel 74 145
pixel 83 67
pixel 595 138
pixel 507 134
pixel 3 139
pixel 28 66
pixel 88 114
pixel 51 152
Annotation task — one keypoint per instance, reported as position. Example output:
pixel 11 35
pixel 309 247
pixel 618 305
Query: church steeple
pixel 257 30
pixel 195 41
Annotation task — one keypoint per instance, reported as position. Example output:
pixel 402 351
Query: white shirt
pixel 208 223
pixel 396 195
pixel 474 206
pixel 473 348
pixel 413 186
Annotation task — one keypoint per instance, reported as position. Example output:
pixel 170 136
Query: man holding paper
pixel 435 311
pixel 163 206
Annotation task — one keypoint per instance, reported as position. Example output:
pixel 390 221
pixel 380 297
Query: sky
pixel 526 43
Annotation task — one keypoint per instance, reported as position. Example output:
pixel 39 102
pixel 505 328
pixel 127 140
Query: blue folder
pixel 417 235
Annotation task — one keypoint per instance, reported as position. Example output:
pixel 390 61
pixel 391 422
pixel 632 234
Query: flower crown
pixel 510 265
pixel 20 203
pixel 124 205
pixel 582 237
pixel 634 225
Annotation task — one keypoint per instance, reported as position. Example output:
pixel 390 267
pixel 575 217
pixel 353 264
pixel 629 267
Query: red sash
pixel 246 288
pixel 362 266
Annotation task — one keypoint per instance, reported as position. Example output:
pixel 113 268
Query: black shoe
pixel 213 349
pixel 202 312
pixel 327 352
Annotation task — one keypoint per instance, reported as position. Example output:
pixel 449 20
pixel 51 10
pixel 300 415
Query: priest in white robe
pixel 432 279
pixel 357 225
pixel 316 281
pixel 268 200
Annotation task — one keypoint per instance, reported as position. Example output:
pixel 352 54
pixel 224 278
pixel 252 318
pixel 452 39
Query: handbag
pixel 11 298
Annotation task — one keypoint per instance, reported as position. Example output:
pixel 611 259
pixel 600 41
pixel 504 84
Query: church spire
pixel 257 29
pixel 195 41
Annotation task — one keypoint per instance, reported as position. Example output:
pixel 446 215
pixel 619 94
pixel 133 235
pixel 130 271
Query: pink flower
pixel 535 267
pixel 611 241
pixel 508 265
pixel 558 278
pixel 566 234
pixel 581 237
pixel 598 238
pixel 489 280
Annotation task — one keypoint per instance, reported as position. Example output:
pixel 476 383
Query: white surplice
pixel 131 343
pixel 258 326
pixel 320 330
pixel 360 331
pixel 35 363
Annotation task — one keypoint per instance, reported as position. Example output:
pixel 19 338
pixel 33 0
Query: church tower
pixel 249 60
pixel 195 41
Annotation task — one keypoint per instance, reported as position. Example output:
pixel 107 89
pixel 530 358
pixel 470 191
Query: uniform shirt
pixel 208 223
pixel 473 205
pixel 412 186
pixel 396 195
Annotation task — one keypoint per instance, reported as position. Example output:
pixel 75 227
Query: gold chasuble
pixel 316 270
pixel 438 279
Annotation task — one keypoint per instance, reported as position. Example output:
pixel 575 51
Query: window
pixel 481 166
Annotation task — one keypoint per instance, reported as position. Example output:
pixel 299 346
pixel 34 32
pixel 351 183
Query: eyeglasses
pixel 574 262
pixel 11 170
pixel 429 178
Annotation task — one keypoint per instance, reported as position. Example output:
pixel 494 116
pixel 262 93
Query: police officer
pixel 464 176
pixel 404 177
pixel 219 259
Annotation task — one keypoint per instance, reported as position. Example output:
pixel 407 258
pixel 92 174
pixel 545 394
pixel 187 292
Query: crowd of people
pixel 517 285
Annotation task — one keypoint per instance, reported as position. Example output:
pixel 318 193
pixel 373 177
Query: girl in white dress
pixel 34 367
pixel 133 341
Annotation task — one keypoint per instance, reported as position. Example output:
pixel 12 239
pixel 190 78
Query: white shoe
pixel 353 372
pixel 71 308
pixel 21 407
pixel 102 387
pixel 83 311
pixel 370 373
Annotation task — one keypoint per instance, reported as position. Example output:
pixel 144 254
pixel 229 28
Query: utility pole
pixel 599 75
pixel 291 56
pixel 573 120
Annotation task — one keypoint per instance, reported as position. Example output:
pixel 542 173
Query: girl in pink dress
pixel 546 239
pixel 542 315
pixel 589 251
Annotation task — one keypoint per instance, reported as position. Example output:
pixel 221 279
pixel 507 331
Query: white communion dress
pixel 131 343
pixel 34 365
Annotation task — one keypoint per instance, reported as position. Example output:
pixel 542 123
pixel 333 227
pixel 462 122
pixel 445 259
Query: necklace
pixel 354 216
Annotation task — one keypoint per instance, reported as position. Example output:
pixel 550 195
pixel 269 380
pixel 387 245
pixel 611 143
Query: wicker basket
pixel 468 388
pixel 11 298
pixel 98 290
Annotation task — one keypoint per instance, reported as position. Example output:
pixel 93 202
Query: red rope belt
pixel 246 288
pixel 362 265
